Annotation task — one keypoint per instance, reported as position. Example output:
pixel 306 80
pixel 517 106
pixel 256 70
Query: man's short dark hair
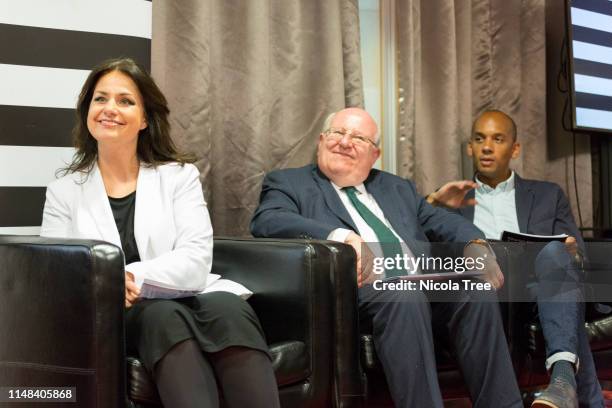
pixel 513 130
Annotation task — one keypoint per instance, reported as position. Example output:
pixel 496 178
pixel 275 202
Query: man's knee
pixel 553 263
pixel 404 305
pixel 552 250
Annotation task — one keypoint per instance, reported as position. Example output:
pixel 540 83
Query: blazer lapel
pixel 331 198
pixel 148 209
pixel 524 198
pixel 99 208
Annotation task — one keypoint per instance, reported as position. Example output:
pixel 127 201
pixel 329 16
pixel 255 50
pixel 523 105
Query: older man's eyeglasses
pixel 337 134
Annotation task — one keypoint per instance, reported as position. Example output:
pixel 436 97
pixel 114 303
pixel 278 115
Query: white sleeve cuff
pixel 136 268
pixel 339 234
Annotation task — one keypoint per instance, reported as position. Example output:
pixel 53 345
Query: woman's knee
pixel 152 319
pixel 157 311
pixel 224 305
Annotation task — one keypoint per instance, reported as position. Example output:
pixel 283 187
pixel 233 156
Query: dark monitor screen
pixel 590 50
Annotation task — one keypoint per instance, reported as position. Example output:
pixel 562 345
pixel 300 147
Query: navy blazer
pixel 541 208
pixel 302 203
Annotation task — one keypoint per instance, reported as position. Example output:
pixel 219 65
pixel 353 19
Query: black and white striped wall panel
pixel 592 53
pixel 47 48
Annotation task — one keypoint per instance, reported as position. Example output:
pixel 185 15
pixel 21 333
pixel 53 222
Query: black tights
pixel 186 378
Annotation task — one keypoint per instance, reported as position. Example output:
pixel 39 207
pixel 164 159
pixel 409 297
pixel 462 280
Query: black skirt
pixel 215 320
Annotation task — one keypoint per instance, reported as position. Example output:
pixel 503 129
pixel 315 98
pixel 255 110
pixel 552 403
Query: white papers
pixel 152 289
pixel 508 236
pixel 226 285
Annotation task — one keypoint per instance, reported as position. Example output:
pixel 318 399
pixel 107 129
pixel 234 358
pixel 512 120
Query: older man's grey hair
pixel 329 119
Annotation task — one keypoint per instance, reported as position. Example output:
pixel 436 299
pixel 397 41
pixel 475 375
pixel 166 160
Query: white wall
pixel 47 49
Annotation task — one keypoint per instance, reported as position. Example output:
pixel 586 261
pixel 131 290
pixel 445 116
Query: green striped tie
pixel 389 243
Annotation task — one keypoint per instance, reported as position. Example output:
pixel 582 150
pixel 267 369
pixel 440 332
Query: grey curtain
pixel 459 57
pixel 249 84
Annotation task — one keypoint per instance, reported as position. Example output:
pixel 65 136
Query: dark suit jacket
pixel 302 203
pixel 541 208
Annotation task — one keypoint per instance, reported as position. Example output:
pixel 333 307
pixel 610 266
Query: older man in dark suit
pixel 342 198
pixel 497 200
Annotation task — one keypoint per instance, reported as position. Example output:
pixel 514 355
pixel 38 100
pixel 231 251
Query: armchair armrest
pixel 62 317
pixel 304 290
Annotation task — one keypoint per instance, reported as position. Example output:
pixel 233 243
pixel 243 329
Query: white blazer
pixel 172 227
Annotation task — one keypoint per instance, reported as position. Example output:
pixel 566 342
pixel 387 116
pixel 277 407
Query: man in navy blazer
pixel 499 200
pixel 326 202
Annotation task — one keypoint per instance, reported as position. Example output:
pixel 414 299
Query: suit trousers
pixel 401 322
pixel 561 312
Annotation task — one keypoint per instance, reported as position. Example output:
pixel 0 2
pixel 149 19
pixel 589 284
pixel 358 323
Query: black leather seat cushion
pixel 289 360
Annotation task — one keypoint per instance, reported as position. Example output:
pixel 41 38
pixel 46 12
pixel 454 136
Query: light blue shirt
pixel 496 208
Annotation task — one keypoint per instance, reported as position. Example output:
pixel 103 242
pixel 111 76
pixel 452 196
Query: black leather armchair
pixel 62 318
pixel 61 323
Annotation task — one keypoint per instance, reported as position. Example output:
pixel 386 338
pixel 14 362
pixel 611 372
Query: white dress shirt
pixel 365 231
pixel 496 208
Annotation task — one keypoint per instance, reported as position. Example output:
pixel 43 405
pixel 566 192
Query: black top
pixel 123 212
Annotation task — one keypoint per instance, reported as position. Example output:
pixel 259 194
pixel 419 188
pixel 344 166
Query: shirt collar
pixel 504 186
pixel 360 188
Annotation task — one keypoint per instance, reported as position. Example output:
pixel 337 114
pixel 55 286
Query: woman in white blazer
pixel 128 185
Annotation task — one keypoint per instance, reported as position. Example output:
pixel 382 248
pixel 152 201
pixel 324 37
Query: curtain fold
pixel 457 58
pixel 249 85
pixel 250 82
